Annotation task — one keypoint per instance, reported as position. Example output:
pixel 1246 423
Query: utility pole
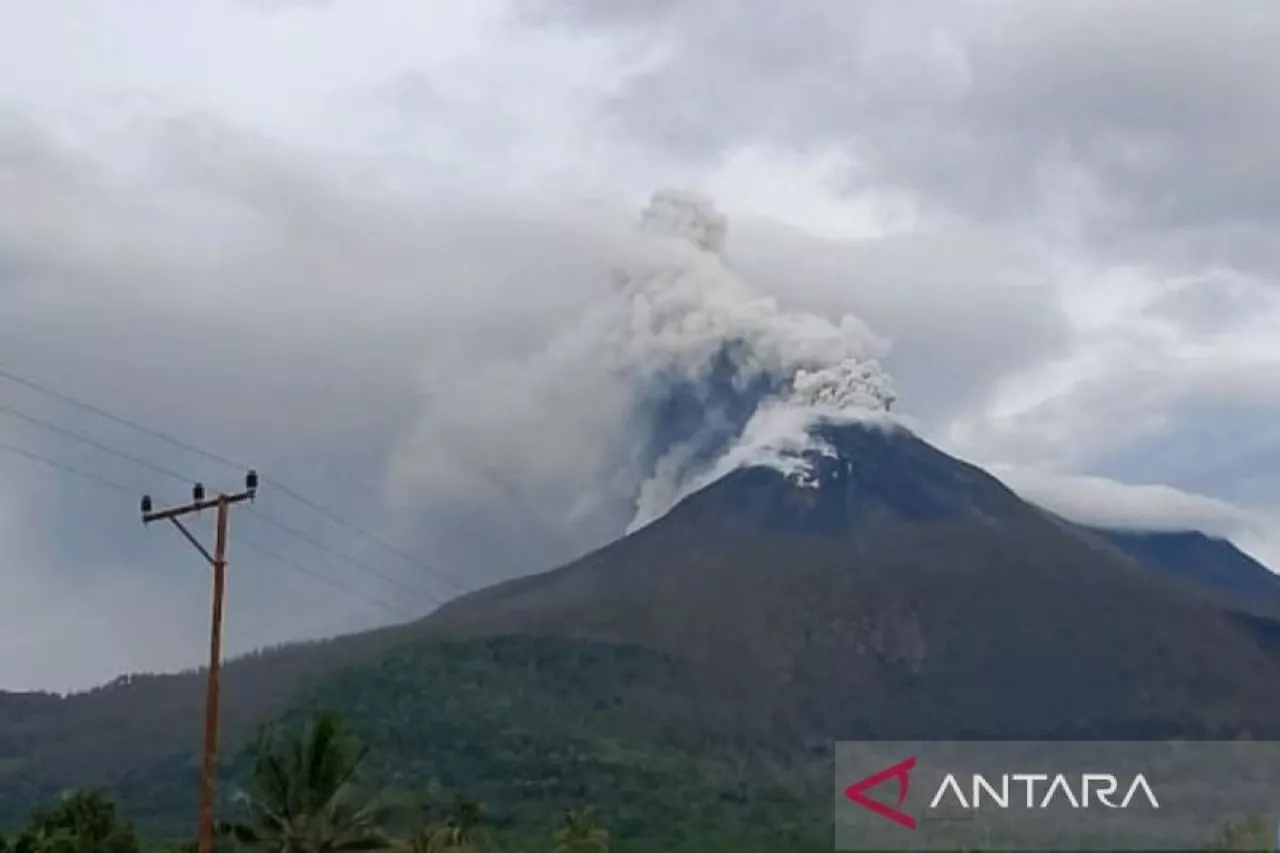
pixel 218 560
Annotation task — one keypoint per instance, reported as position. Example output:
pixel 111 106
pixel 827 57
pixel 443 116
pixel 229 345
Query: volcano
pixel 799 569
pixel 863 585
pixel 881 588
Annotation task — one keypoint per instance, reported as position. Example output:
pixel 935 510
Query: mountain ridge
pixel 1207 559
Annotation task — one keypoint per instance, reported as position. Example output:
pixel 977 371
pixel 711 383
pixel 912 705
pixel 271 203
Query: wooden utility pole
pixel 218 560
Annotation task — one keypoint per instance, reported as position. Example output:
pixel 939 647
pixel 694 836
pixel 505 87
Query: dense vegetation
pixel 534 728
pixel 303 796
pixel 48 742
pixel 305 792
pixel 539 725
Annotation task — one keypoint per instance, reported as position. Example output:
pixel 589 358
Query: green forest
pixel 516 741
pixel 494 744
pixel 498 744
pixel 308 792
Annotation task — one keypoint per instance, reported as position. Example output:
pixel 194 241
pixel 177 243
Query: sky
pixel 356 246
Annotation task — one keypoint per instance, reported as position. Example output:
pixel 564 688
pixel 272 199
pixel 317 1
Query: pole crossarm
pixel 197 506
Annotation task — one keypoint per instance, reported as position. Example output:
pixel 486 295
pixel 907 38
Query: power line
pixel 372 537
pixel 68 469
pixel 280 487
pixel 122 421
pixel 325 579
pixel 360 531
pixel 186 479
pixel 106 448
pixel 108 483
pixel 318 544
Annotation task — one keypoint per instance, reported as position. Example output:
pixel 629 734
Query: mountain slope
pixel 1198 558
pixel 115 732
pixel 893 591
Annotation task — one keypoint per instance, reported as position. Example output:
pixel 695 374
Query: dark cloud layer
pixel 1139 127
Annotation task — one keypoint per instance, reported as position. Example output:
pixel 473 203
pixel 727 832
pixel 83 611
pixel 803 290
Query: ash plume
pixel 675 377
pixel 747 378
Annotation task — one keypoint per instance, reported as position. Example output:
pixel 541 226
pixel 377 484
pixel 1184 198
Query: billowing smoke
pixel 675 376
pixel 727 377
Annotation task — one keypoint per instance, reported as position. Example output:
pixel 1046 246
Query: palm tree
pixel 460 832
pixel 580 834
pixel 303 797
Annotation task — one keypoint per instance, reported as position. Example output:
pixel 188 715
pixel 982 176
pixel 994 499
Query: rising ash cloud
pixel 678 371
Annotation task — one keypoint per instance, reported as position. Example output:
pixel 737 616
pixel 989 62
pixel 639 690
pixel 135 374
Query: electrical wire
pixel 210 455
pixel 280 487
pixel 67 469
pixel 90 442
pixel 321 546
pixel 108 483
pixel 251 544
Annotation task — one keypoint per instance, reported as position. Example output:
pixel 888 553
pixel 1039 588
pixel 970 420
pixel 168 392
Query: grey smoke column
pixel 677 373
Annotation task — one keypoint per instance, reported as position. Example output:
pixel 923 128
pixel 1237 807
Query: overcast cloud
pixel 334 240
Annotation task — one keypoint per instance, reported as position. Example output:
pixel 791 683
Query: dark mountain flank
pixel 897 592
pixel 1200 559
pixel 702 665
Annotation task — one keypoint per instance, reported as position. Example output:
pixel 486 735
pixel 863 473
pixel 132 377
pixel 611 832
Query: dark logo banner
pixel 1057 796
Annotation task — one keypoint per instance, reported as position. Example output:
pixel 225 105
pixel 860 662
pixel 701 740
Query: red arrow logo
pixel 857 792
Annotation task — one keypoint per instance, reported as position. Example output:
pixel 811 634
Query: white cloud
pixel 1102 502
pixel 1106 503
